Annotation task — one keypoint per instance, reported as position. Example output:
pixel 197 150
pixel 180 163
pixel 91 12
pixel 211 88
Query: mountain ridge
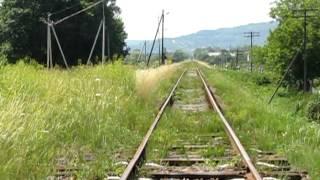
pixel 226 37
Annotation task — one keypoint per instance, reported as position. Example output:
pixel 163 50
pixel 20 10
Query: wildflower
pixel 45 131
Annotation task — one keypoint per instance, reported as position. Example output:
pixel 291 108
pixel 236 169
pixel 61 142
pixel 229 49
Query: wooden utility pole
pixel 145 51
pixel 162 46
pixel 49 44
pixel 160 56
pixel 251 35
pixel 238 53
pixel 305 15
pixel 108 40
pixel 103 32
pixel 154 41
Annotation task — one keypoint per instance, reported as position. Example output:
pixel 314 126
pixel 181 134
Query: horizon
pixel 219 28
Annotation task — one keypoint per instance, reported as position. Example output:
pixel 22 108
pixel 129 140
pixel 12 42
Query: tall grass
pixel 58 117
pixel 280 127
pixel 52 115
pixel 148 81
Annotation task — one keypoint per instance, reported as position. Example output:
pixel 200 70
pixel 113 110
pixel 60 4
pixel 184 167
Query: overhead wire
pixel 66 9
pixel 77 13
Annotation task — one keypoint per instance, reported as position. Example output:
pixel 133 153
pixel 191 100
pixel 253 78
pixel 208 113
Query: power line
pixel 78 12
pixel 66 9
pixel 51 25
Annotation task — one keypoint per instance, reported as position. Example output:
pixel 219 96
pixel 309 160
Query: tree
pixel 258 54
pixel 201 53
pixel 180 55
pixel 23 34
pixel 287 39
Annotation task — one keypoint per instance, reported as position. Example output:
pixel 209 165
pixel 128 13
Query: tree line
pixel 286 41
pixel 23 34
pixel 284 44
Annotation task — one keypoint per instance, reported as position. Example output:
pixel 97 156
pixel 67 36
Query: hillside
pixel 223 38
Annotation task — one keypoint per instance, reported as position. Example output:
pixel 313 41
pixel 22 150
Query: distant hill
pixel 222 38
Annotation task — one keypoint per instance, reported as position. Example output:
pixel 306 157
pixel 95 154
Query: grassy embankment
pixel 70 116
pixel 281 126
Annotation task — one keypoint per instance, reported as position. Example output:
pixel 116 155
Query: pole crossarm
pixel 77 13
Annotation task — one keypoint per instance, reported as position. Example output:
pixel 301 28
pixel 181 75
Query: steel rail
pixel 140 153
pixel 232 135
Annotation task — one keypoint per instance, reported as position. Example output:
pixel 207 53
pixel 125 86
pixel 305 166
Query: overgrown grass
pixel 148 81
pixel 53 116
pixel 281 126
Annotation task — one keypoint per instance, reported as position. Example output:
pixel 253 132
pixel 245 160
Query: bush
pixel 3 60
pixel 262 80
pixel 29 61
pixel 313 110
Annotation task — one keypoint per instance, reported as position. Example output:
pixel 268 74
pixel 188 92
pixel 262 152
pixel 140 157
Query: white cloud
pixel 185 16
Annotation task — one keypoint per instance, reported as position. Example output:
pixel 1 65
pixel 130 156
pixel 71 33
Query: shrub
pixel 313 110
pixel 262 80
pixel 3 60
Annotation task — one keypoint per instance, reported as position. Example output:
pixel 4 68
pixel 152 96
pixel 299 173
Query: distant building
pixel 214 54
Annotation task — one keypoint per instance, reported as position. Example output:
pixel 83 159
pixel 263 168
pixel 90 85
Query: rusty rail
pixel 232 135
pixel 130 171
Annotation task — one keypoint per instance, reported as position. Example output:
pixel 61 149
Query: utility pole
pixel 238 53
pixel 160 56
pixel 237 58
pixel 154 40
pixel 305 15
pixel 145 51
pixel 103 31
pixel 49 44
pixel 108 41
pixel 251 35
pixel 162 48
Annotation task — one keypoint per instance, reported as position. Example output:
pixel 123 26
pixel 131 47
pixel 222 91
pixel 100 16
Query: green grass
pixel 281 127
pixel 58 114
pixel 177 125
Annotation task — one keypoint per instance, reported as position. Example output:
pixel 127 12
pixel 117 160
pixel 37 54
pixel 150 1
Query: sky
pixel 185 16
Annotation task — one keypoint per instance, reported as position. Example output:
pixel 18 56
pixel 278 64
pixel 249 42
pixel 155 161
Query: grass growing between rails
pixel 56 117
pixel 281 126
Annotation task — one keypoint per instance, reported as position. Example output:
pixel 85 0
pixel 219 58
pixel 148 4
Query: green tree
pixel 23 34
pixel 201 53
pixel 287 39
pixel 180 55
pixel 258 54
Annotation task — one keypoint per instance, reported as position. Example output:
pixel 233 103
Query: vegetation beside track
pixel 282 126
pixel 70 116
pixel 177 123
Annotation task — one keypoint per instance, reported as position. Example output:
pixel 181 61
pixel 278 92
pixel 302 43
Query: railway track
pixel 211 155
